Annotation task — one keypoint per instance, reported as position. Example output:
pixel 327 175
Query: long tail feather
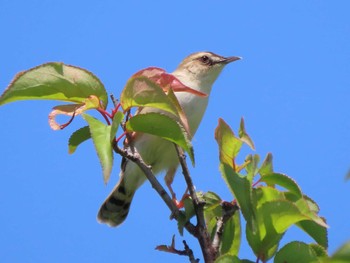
pixel 115 208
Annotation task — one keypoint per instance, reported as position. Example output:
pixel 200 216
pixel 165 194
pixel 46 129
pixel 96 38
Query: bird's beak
pixel 230 59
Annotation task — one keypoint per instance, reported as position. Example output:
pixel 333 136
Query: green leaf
pixel 266 167
pixel 163 126
pixel 212 210
pixel 342 255
pixel 231 237
pixel 264 248
pixel 310 204
pixel 282 180
pixel 143 92
pixel 320 251
pixel 273 218
pixel 227 259
pixel 101 136
pixel 78 137
pixel 181 221
pixel 317 232
pixel 189 208
pixel 241 188
pixel 211 199
pixel 229 145
pixel 252 166
pixel 266 194
pixel 243 135
pixel 117 119
pixel 296 252
pixel 308 207
pixel 55 81
pixel 278 216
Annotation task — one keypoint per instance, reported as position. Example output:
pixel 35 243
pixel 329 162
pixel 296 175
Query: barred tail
pixel 115 208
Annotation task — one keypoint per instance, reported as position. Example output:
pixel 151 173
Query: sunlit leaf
pixel 312 205
pixel 142 90
pixel 117 119
pixel 154 88
pixel 316 231
pixel 278 216
pixel 282 180
pixel 77 138
pixel 101 136
pixel 266 166
pixel 212 210
pixel 55 81
pixel 261 243
pixel 266 194
pixel 229 145
pixel 263 247
pixel 91 102
pixel 242 190
pixel 273 218
pixel 304 207
pixel 163 126
pixel 296 252
pixel 228 259
pixel 342 255
pixel 251 167
pixel 243 135
pixel 167 81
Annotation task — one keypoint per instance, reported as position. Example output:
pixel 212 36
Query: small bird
pixel 197 71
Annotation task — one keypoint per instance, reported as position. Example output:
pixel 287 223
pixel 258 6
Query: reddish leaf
pixel 167 81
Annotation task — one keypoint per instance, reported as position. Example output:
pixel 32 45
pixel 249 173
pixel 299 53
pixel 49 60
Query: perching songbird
pixel 197 71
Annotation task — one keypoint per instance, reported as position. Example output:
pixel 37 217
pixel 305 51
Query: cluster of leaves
pixel 151 87
pixel 269 202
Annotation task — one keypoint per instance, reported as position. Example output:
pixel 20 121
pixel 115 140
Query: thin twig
pixel 172 249
pixel 189 253
pixel 114 100
pixel 202 233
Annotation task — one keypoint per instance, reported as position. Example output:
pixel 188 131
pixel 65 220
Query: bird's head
pixel 200 70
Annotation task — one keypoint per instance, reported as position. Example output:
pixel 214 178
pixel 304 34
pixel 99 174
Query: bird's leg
pixel 184 196
pixel 169 178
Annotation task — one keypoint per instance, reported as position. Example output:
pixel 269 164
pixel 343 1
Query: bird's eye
pixel 205 60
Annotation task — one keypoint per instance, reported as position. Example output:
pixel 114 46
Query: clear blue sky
pixel 292 87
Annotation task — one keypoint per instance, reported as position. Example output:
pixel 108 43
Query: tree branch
pixel 228 210
pixel 202 234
